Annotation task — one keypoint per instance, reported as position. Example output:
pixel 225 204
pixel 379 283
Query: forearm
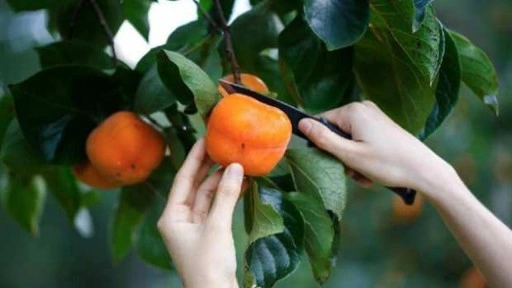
pixel 484 238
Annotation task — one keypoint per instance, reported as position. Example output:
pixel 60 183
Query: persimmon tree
pixel 316 55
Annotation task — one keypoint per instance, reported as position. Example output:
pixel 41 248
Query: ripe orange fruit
pixel 248 80
pixel 89 175
pixel 472 278
pixel 125 149
pixel 243 130
pixel 406 214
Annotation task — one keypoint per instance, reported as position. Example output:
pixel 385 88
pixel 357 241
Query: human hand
pixel 380 150
pixel 198 234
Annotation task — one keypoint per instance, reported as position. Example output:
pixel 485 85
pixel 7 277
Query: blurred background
pixel 382 244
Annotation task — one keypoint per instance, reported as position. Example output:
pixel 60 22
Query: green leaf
pixel 74 52
pixel 197 42
pixel 447 90
pixel 24 200
pixel 182 126
pixel 17 154
pixel 273 257
pixel 253 32
pixel 318 233
pixel 423 47
pixel 420 7
pixel 396 15
pixel 161 178
pixel 58 107
pixel 61 183
pixel 133 203
pixel 150 245
pixel 6 115
pixel 152 95
pixel 281 6
pixel 387 76
pixel 187 81
pixel 86 25
pixel 188 37
pixel 136 12
pixel 265 219
pixel 319 175
pixel 319 78
pixel 478 72
pixel 339 23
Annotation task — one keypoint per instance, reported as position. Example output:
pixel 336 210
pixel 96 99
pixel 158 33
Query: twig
pixel 74 18
pixel 235 68
pixel 104 25
pixel 206 15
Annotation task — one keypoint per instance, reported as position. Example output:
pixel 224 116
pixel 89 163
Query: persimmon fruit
pixel 125 149
pixel 89 175
pixel 406 214
pixel 472 278
pixel 243 130
pixel 250 81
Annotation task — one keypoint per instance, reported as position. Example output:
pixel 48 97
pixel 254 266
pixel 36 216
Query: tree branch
pixel 104 26
pixel 235 68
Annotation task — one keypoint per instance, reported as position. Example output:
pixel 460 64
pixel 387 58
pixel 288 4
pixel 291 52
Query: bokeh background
pixel 377 248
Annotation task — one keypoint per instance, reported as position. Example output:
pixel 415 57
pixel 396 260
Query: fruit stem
pixel 235 68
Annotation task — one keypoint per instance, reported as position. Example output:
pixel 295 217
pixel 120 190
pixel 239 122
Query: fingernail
pixel 235 170
pixel 305 125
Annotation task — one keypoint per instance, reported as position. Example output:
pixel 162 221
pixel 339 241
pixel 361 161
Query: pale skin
pixel 200 239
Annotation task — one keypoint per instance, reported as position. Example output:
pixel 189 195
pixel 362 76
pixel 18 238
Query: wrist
pixel 436 178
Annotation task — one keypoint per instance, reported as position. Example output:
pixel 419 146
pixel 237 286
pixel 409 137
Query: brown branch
pixel 206 15
pixel 235 68
pixel 74 18
pixel 104 26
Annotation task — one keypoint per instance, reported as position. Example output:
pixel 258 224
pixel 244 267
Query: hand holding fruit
pixel 196 232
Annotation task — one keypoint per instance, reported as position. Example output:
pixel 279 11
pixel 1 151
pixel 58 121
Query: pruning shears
pixel 408 195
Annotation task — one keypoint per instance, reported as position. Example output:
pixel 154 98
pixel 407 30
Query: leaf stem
pixel 235 68
pixel 103 22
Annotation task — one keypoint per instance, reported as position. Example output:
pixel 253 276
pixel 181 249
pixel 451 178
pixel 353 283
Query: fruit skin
pixel 89 175
pixel 125 149
pixel 472 278
pixel 406 214
pixel 243 130
pixel 248 80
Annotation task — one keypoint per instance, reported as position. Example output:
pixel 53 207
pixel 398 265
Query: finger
pixel 325 139
pixel 204 196
pixel 227 195
pixel 340 117
pixel 203 170
pixel 185 179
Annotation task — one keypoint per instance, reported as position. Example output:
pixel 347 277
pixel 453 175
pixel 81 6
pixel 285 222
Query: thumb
pixel 329 141
pixel 227 196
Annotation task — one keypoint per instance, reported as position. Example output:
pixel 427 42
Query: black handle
pixel 408 195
